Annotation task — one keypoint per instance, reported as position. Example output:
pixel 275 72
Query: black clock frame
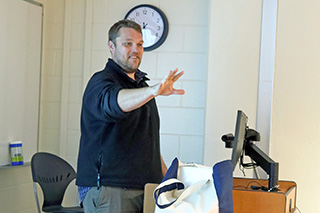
pixel 165 25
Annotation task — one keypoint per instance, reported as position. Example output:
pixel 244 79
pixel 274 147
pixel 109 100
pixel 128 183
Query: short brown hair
pixel 113 31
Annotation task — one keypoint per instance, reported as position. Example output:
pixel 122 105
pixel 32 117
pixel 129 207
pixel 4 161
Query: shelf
pixel 9 165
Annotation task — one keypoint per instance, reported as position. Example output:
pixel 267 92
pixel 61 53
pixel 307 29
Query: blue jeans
pixel 113 200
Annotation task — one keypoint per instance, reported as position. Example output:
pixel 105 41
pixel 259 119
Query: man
pixel 119 147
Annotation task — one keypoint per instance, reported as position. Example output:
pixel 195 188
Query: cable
pixel 253 181
pixel 239 186
pixel 243 166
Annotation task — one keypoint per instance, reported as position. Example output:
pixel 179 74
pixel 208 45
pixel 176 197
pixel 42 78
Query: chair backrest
pixel 53 174
pixel 148 201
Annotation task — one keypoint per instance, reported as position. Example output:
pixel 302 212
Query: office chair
pixel 53 174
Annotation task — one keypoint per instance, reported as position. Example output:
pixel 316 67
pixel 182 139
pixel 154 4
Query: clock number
pixel 158 20
pixel 159 28
pixel 137 13
pixel 144 12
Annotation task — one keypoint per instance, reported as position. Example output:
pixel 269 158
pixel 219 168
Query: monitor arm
pixel 265 162
pixel 257 155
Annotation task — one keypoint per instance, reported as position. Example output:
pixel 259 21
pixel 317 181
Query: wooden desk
pixel 247 200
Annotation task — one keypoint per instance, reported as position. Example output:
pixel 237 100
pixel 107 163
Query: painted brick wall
pixel 182 117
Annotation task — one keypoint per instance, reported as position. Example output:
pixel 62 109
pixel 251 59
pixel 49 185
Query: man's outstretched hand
pixel 131 99
pixel 165 87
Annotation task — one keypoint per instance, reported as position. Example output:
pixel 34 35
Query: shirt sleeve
pixel 100 99
pixel 109 103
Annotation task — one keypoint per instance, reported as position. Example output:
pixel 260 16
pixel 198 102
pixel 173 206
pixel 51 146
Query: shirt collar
pixel 139 75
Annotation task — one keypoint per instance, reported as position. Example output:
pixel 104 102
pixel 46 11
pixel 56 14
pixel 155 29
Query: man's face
pixel 127 51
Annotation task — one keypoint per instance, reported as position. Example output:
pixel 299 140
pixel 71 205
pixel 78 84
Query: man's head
pixel 125 44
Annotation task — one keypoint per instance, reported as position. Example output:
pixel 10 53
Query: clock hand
pixel 144 25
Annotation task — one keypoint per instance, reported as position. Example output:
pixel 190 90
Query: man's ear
pixel 111 46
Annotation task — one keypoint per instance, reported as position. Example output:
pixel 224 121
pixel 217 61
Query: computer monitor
pixel 243 144
pixel 239 137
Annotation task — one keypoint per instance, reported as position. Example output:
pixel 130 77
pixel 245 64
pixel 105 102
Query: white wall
pixel 295 132
pixel 295 116
pixel 16 188
pixel 50 108
pixel 233 71
pixel 20 53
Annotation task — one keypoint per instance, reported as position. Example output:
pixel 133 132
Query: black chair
pixel 53 174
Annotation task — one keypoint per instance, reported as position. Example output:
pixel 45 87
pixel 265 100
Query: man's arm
pixel 131 99
pixel 164 168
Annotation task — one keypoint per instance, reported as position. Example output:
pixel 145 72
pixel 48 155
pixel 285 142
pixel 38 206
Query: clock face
pixel 153 22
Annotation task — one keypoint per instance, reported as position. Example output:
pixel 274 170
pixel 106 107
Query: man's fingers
pixel 165 78
pixel 177 76
pixel 172 76
pixel 178 92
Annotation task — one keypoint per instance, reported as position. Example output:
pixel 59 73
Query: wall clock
pixel 153 22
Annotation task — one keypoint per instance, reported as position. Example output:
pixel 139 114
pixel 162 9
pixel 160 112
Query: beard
pixel 129 64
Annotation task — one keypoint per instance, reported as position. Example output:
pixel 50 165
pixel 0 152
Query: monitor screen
pixel 239 137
